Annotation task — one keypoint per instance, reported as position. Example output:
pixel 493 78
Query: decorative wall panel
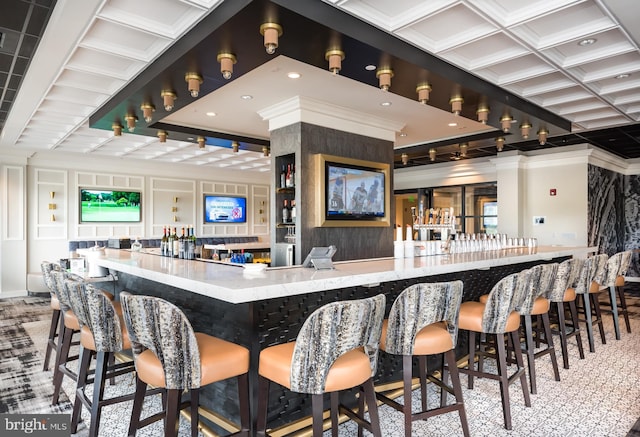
pixel 632 220
pixel 605 210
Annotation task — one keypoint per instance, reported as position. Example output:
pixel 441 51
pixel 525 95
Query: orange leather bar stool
pixel 499 318
pixel 562 293
pixel 617 267
pixel 424 321
pixel 102 334
pixel 588 286
pixel 537 304
pixel 56 321
pixel 170 355
pixel 336 349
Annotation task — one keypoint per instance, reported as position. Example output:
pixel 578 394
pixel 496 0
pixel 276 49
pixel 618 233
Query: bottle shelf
pixel 286 225
pixel 286 190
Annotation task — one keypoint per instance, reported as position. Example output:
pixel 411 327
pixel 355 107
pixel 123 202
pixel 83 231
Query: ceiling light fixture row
pixel 271 33
pixel 384 76
pixel 335 58
pixel 456 104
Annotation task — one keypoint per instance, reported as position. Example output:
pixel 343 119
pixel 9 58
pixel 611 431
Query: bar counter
pixel 269 307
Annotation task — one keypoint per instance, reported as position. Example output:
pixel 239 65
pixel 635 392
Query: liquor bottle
pixel 191 244
pixel 283 177
pixel 292 178
pixel 181 245
pixel 174 246
pixel 286 214
pixel 288 182
pixel 293 211
pixel 164 242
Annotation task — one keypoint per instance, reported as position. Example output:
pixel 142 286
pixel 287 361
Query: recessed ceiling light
pixel 622 76
pixel 402 134
pixel 190 138
pixel 385 104
pixel 293 75
pixel 587 42
pixel 453 124
pixel 246 97
pixel 370 67
pixel 211 114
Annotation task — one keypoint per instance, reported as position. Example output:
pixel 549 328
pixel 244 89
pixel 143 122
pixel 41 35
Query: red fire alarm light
pixel 552 192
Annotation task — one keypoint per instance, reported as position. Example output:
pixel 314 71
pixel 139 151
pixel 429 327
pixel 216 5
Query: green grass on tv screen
pixel 109 206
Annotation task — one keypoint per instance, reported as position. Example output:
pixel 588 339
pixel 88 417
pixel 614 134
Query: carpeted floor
pixel 598 396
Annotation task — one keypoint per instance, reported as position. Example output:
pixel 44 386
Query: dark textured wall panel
pixel 632 220
pixel 605 210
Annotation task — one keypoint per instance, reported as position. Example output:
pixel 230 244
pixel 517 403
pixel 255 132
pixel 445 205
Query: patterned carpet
pixel 598 396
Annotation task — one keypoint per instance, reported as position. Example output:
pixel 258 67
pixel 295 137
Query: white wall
pixel 30 235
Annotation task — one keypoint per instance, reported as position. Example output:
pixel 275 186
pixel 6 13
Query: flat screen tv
pixel 225 209
pixel 115 206
pixel 354 192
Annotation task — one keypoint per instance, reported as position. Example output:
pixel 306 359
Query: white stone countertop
pixel 232 283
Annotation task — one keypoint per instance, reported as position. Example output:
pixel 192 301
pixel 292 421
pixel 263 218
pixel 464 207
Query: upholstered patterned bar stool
pixel 102 333
pixel 56 326
pixel 170 355
pixel 424 321
pixel 499 318
pixel 537 304
pixel 562 293
pixel 336 349
pixel 588 286
pixel 617 267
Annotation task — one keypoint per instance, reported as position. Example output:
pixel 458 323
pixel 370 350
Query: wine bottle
pixel 293 211
pixel 288 182
pixel 191 244
pixel 283 177
pixel 164 242
pixel 174 247
pixel 292 178
pixel 181 245
pixel 286 214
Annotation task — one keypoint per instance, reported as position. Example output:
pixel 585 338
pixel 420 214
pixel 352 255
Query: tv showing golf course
pixel 115 206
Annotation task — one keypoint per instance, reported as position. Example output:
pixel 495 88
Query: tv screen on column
pixel 354 192
pixel 110 206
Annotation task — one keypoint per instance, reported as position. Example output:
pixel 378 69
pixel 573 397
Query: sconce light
pixel 226 64
pixel 168 97
pixel 193 80
pixel 405 158
pixel 456 104
pixel 117 128
pixel 53 218
pixel 131 121
pixel 432 154
pixel 423 91
pixel 147 110
pixel 271 32
pixel 265 151
pixel 500 144
pixel 201 142
pixel 525 128
pixel 542 136
pixel 52 194
pixel 505 122
pixel 483 114
pixel 235 146
pixel 162 135
pixel 384 76
pixel 463 149
pixel 335 57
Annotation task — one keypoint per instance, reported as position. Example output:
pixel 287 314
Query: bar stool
pixel 561 293
pixel 617 267
pixel 102 333
pixel 498 317
pixel 56 322
pixel 70 327
pixel 170 355
pixel 336 349
pixel 536 303
pixel 424 321
pixel 588 286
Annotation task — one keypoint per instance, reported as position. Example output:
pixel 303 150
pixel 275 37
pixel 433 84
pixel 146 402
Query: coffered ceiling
pixel 569 66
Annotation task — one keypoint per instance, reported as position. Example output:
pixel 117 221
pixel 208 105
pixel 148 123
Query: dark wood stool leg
pixel 598 313
pixel 504 380
pixel 317 409
pixel 471 359
pixel 138 400
pixel 406 379
pixel 243 397
pixel 562 330
pixel 195 415
pixel 529 348
pixel 450 357
pixel 623 307
pixel 576 327
pixel 53 333
pixel 172 418
pixel 61 361
pixel 422 367
pixel 370 395
pixel 614 310
pixel 102 360
pixel 550 347
pixel 333 413
pixel 520 362
pixel 263 402
pixel 85 360
pixel 587 313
